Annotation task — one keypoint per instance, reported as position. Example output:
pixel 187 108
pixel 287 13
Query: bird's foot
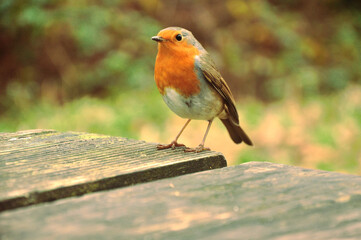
pixel 172 145
pixel 198 149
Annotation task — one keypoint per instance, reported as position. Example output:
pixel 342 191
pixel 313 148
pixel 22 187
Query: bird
pixel 192 87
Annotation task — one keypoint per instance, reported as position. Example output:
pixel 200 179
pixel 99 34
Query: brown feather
pixel 236 132
pixel 213 76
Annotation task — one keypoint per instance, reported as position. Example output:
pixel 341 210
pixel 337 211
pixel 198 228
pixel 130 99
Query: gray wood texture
pixel 44 165
pixel 250 201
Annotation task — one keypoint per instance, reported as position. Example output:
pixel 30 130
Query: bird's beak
pixel 158 39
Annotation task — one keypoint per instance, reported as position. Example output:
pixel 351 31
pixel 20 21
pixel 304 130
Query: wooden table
pixel 44 165
pixel 251 201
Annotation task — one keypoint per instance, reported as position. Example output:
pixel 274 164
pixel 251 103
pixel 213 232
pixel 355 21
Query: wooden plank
pixel 44 165
pixel 250 201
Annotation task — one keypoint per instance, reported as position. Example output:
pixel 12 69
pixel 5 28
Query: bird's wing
pixel 212 75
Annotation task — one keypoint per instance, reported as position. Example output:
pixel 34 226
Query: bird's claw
pixel 198 149
pixel 172 145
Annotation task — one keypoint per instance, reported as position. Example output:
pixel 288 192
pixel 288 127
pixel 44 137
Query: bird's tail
pixel 236 132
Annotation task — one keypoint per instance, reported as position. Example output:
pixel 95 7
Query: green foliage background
pixel 88 66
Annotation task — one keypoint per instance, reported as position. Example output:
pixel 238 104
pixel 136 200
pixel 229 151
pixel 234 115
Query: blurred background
pixel 293 66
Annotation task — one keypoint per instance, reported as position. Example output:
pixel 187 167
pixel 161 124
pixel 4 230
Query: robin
pixel 192 87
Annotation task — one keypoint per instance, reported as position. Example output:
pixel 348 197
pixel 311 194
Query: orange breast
pixel 175 68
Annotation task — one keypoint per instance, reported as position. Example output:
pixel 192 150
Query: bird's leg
pixel 201 147
pixel 174 143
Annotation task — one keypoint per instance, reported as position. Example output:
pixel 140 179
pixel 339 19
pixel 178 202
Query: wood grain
pixel 44 165
pixel 249 201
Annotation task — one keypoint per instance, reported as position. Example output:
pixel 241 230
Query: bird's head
pixel 177 39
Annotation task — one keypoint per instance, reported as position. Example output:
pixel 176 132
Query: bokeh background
pixel 293 66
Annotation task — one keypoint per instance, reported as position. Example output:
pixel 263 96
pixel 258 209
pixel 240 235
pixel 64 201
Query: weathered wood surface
pixel 39 165
pixel 249 201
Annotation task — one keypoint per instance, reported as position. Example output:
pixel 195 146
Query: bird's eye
pixel 178 37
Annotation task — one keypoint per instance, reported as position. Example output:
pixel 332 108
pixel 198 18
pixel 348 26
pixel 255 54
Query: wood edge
pixel 149 175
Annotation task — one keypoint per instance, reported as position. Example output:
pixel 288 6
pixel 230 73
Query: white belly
pixel 204 106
